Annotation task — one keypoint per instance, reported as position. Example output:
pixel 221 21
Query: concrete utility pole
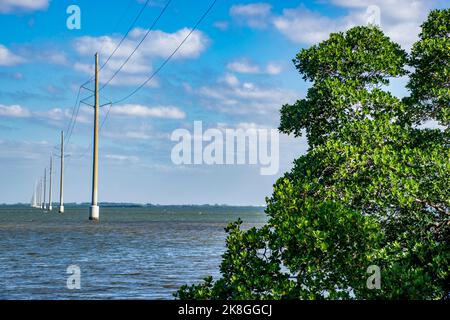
pixel 45 187
pixel 41 193
pixel 94 210
pixel 33 198
pixel 38 205
pixel 61 178
pixel 37 193
pixel 50 208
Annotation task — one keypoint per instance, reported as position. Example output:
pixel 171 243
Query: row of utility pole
pixel 39 197
pixel 40 188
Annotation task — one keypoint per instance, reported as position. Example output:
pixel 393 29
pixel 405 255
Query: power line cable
pixel 169 57
pixel 138 45
pixel 118 23
pixel 76 107
pixel 125 36
pixel 158 69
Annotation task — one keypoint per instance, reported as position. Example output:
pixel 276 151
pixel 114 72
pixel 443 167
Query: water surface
pixel 133 253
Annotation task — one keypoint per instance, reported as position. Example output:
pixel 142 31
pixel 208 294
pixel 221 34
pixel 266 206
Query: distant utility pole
pixel 34 199
pixel 45 187
pixel 50 185
pixel 94 210
pixel 40 192
pixel 61 178
pixel 36 188
pixel 39 205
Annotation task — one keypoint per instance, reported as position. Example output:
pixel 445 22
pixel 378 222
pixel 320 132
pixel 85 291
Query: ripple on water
pixel 134 253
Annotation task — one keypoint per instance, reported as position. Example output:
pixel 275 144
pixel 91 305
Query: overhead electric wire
pixel 76 107
pixel 73 110
pixel 169 57
pixel 117 25
pixel 100 129
pixel 199 21
pixel 73 117
pixel 135 49
pixel 125 35
pixel 138 45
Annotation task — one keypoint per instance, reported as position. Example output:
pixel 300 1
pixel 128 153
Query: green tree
pixel 430 81
pixel 373 188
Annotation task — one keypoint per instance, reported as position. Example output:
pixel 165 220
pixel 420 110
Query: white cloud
pixel 53 57
pixel 7 58
pixel 255 14
pixel 54 116
pixel 301 25
pixel 398 10
pixel 221 25
pixel 158 44
pixel 273 68
pixel 11 6
pixel 136 110
pixel 140 135
pixel 247 98
pixel 20 150
pixel 229 79
pixel 399 19
pixel 14 111
pixel 243 66
pixel 247 67
pixel 241 125
pixel 122 158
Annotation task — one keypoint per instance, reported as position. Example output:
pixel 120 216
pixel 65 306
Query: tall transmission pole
pixel 39 194
pixel 94 210
pixel 35 202
pixel 33 198
pixel 50 208
pixel 41 189
pixel 45 187
pixel 61 178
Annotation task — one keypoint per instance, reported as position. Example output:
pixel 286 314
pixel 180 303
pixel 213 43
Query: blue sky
pixel 235 71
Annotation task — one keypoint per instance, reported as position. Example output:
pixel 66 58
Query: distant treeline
pixel 138 205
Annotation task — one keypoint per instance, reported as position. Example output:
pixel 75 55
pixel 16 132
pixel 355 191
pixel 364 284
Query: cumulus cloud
pixel 235 97
pixel 122 158
pixel 137 110
pixel 158 44
pixel 243 66
pixel 7 58
pixel 20 150
pixel 56 116
pixel 400 19
pixel 247 67
pixel 14 111
pixel 256 15
pixel 273 68
pixel 304 26
pixel 13 6
pixel 229 79
pixel 221 25
pixel 53 57
pixel 53 117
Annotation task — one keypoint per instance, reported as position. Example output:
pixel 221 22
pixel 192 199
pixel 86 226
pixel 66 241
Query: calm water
pixel 140 253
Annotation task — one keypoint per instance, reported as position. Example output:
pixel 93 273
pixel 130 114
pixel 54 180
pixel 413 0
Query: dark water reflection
pixel 139 253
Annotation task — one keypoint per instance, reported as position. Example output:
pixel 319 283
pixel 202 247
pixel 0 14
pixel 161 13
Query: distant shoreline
pixel 139 205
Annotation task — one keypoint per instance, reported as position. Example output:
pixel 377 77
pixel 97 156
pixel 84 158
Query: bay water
pixel 142 252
